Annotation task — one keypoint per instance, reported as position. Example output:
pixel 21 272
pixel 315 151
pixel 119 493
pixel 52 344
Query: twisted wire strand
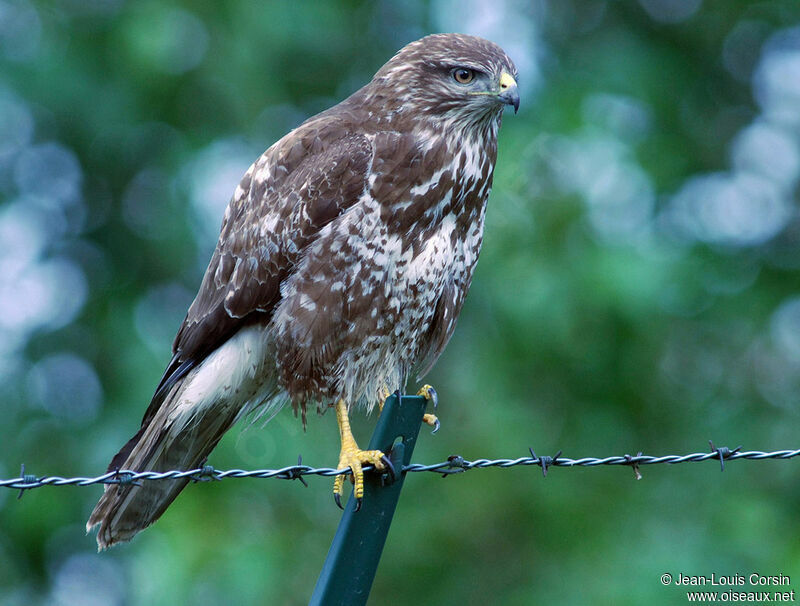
pixel 454 464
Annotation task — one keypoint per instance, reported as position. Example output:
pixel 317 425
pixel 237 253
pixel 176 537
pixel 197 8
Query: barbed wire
pixel 454 464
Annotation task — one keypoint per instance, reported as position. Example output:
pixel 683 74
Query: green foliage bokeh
pixel 613 310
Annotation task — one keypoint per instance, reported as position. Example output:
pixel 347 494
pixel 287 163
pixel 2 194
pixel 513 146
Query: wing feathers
pixel 298 186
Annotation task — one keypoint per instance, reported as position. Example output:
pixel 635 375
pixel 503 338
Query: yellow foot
pixel 353 458
pixel 429 393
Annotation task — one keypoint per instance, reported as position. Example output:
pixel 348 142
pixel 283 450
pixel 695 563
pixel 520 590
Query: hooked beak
pixel 509 93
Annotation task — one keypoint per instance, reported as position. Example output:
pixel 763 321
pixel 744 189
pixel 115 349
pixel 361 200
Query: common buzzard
pixel 343 261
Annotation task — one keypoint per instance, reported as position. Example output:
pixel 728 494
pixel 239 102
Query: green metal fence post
pixel 353 558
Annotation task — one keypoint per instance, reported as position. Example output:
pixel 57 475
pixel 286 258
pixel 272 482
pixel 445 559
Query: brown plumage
pixel 343 261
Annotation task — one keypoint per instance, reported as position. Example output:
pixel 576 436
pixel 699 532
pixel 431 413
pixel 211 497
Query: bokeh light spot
pixel 785 328
pixel 671 11
pixel 210 179
pixel 776 81
pixel 67 386
pixel 742 209
pixel 158 314
pixel 20 30
pixel 88 580
pixel 769 151
pixel 171 40
pixel 50 171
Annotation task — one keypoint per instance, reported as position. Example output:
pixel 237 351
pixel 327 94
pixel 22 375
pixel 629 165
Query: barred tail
pixel 179 436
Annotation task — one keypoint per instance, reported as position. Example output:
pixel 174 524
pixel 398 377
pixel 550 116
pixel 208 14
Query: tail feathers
pixel 168 441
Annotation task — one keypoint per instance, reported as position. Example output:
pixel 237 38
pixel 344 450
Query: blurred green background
pixel 639 290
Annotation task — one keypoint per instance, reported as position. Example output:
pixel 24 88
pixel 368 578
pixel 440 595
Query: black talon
pixel 436 425
pixel 434 397
pixel 338 500
pixel 358 503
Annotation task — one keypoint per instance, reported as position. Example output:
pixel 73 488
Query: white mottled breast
pixel 360 308
pixel 435 256
pixel 415 282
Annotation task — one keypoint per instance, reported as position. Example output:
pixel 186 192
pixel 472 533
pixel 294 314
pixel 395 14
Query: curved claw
pixel 429 393
pixel 358 504
pixel 338 486
pixel 431 420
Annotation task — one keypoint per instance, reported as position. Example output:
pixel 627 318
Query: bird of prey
pixel 342 264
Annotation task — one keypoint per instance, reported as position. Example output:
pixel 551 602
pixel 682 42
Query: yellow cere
pixel 507 81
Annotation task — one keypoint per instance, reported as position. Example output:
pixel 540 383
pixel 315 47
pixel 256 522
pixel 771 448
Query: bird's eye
pixel 463 75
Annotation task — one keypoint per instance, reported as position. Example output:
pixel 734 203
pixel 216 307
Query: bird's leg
pixel 352 457
pixel 429 393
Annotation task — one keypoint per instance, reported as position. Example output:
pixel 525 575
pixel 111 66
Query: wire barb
pixel 207 473
pixel 634 464
pixel 122 478
pixel 296 473
pixel 453 464
pixel 545 462
pixel 26 479
pixel 724 453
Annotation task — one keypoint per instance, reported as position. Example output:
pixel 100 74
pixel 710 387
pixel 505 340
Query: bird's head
pixel 455 77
